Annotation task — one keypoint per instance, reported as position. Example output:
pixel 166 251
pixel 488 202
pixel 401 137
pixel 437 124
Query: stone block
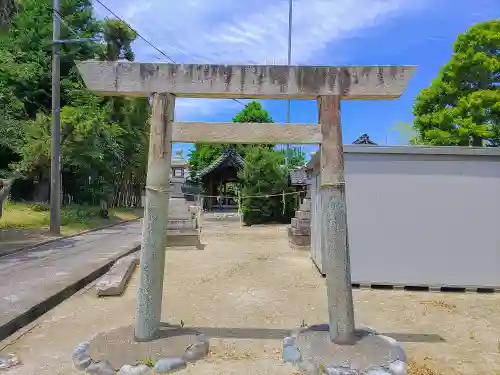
pixel 8 360
pixel 178 208
pixel 303 215
pixel 179 224
pixel 397 367
pixel 184 237
pixel 196 351
pixel 300 232
pixel 81 358
pixel 101 368
pixel 300 223
pixel 300 240
pixel 168 365
pixel 291 354
pixel 335 370
pixel 305 205
pixel 135 370
pixel 377 371
pixel 114 282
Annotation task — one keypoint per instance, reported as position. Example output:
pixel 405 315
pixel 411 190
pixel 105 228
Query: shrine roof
pixel 229 158
pixel 364 139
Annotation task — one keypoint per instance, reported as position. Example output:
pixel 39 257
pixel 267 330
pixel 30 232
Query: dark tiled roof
pixel 364 140
pixel 298 176
pixel 229 158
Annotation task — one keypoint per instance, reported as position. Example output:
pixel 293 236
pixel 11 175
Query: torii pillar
pixel 327 85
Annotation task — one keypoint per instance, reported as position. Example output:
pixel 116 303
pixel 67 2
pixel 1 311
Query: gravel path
pixel 247 287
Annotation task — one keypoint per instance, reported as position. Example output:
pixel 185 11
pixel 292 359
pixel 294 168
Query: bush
pixel 78 214
pixel 264 173
pixel 39 207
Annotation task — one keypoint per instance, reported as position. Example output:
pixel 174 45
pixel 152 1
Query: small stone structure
pixel 117 352
pixel 299 232
pixel 114 282
pixel 311 349
pixel 328 86
pixel 183 218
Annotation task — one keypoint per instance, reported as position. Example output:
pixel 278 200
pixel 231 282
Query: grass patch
pixel 74 218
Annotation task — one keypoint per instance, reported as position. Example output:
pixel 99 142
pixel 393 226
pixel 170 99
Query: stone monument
pixel 334 348
pixel 183 219
pixel 299 232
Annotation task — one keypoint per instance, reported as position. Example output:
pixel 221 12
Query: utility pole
pixel 55 162
pixel 289 62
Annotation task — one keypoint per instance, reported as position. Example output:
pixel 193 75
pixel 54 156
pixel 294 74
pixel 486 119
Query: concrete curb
pixel 9 252
pixel 49 303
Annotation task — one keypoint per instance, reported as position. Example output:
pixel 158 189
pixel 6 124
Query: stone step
pixel 300 240
pixel 300 223
pixel 298 232
pixel 183 232
pixel 303 215
pixel 174 224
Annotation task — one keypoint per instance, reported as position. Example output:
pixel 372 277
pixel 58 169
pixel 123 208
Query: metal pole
pixel 289 61
pixel 55 164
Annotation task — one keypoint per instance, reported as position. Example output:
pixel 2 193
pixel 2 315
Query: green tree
pixel 253 112
pixel 103 141
pixel 462 105
pixel 203 155
pixel 264 173
pixel 408 134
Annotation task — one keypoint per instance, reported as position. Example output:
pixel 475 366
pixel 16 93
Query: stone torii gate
pixel 327 85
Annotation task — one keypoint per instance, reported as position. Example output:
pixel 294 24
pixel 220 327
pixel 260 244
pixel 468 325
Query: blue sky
pixel 325 32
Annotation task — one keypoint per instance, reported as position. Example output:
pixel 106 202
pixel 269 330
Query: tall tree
pixel 462 105
pixel 263 179
pixel 103 142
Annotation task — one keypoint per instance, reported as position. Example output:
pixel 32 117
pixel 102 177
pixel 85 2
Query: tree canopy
pixel 462 105
pixel 103 140
pixel 203 155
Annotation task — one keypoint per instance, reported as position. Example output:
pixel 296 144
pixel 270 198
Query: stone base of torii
pixel 334 348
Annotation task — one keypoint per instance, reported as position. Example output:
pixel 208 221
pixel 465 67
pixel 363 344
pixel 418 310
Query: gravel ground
pixel 247 287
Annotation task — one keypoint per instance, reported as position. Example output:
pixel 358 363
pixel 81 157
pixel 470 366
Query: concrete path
pixel 33 281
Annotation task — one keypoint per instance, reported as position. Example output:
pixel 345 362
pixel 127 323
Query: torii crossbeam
pixel 327 85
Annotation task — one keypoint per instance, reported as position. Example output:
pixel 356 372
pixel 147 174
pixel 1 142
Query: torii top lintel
pixel 245 81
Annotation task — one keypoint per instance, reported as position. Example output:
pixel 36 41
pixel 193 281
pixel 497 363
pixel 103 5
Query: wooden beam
pixel 234 132
pixel 245 81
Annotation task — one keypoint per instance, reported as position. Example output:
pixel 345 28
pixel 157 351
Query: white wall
pixel 423 219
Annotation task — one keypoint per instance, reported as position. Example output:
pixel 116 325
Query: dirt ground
pixel 247 287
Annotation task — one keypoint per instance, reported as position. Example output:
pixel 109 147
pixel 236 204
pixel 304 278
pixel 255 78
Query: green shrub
pixel 39 207
pixel 264 173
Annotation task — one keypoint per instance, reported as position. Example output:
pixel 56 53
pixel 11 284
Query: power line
pixel 63 21
pixel 135 31
pixel 144 39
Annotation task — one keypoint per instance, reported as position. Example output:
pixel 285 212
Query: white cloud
pixel 235 32
pixel 195 109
